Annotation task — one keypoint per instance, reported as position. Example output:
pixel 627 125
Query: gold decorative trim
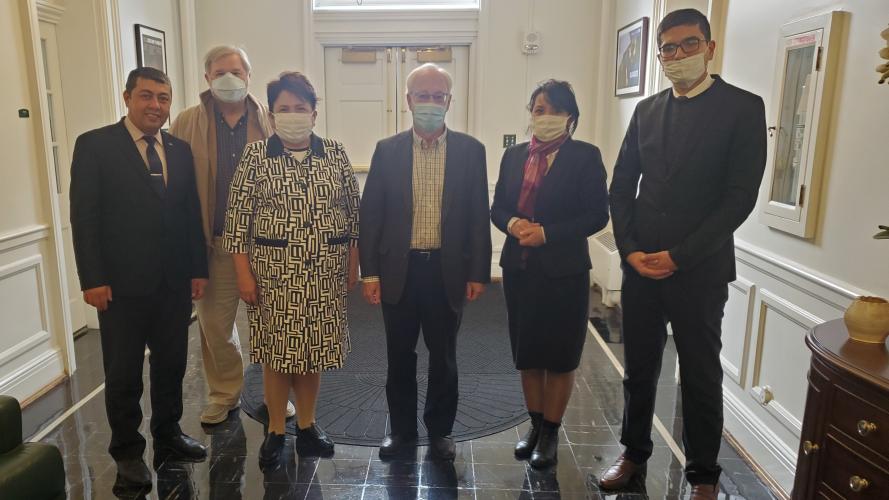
pixel 761 474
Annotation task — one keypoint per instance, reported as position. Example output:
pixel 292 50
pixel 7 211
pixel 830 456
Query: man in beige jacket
pixel 218 129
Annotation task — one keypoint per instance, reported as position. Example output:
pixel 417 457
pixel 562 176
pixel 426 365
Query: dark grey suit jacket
pixel 693 208
pixel 125 234
pixel 387 214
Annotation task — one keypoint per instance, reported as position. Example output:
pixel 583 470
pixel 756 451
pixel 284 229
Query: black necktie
pixel 155 167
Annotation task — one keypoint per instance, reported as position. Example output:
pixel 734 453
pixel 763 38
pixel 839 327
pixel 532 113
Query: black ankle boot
pixel 313 441
pixel 526 445
pixel 546 452
pixel 270 451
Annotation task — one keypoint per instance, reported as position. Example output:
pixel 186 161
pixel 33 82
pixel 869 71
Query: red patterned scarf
pixel 535 170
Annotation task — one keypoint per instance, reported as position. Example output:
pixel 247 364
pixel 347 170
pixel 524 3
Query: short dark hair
pixel 560 95
pixel 684 17
pixel 148 73
pixel 294 82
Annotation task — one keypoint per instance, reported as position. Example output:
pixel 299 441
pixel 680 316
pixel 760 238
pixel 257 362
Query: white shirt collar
pixel 137 134
pixel 698 89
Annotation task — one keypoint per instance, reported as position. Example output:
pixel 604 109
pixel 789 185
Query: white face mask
pixel 293 128
pixel 229 88
pixel 684 72
pixel 549 127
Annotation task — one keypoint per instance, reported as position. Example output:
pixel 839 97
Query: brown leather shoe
pixel 704 492
pixel 618 476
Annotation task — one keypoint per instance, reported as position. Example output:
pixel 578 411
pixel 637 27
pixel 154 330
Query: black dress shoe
pixel 526 445
pixel 179 448
pixel 442 447
pixel 270 452
pixel 313 441
pixel 545 454
pixel 394 445
pixel 132 474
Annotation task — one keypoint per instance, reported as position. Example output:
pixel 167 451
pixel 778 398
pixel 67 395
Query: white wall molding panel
pixel 771 308
pixel 29 359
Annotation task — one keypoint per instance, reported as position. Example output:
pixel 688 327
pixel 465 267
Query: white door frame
pixel 57 260
pixel 61 159
pixel 111 79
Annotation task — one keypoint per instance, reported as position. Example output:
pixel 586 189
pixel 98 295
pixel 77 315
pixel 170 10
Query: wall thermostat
pixel 531 42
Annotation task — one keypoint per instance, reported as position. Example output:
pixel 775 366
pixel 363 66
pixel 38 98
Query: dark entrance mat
pixel 352 403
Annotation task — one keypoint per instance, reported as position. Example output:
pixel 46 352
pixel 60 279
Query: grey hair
pixel 221 51
pixel 424 68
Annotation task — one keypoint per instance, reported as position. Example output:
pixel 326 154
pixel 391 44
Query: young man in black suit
pixel 699 149
pixel 141 258
pixel 425 249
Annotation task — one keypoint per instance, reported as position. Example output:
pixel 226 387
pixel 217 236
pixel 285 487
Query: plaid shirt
pixel 428 184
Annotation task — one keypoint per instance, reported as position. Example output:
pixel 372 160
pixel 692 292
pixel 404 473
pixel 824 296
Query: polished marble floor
pixel 484 468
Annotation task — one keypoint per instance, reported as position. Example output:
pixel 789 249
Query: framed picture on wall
pixel 151 48
pixel 629 63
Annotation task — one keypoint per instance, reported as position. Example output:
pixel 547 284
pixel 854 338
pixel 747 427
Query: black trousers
pixel 695 313
pixel 160 322
pixel 423 306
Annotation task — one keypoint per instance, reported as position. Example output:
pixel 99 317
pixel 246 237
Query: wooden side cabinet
pixel 844 444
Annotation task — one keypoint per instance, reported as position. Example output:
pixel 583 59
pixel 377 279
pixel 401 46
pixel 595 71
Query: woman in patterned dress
pixel 292 228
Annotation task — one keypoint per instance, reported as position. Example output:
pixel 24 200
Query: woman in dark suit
pixel 551 195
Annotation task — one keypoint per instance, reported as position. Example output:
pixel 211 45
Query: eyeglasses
pixel 437 97
pixel 689 46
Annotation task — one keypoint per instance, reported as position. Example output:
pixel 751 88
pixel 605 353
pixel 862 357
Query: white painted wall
pixel 615 112
pixel 568 39
pixel 158 14
pixel 854 197
pixel 21 187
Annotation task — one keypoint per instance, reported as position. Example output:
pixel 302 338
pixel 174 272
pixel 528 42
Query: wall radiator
pixel 606 272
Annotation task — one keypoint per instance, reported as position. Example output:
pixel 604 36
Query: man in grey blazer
pixel 425 250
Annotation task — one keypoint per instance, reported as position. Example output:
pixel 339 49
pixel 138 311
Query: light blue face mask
pixel 429 118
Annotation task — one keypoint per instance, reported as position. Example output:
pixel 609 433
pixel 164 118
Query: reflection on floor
pixel 484 468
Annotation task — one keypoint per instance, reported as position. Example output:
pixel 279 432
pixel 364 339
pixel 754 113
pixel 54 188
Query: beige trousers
pixel 220 345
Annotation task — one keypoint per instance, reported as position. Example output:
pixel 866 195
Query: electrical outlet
pixel 508 140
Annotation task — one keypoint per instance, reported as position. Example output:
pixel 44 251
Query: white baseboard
pixel 759 441
pixel 33 376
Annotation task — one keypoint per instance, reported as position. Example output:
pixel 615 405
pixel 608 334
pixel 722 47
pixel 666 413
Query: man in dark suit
pixel 141 258
pixel 425 249
pixel 699 149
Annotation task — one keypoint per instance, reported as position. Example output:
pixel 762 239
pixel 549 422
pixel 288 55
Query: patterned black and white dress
pixel 296 219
